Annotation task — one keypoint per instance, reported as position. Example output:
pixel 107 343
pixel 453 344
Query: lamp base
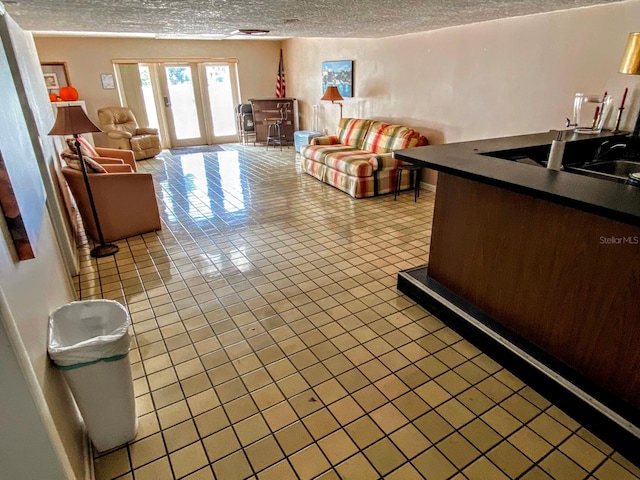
pixel 104 250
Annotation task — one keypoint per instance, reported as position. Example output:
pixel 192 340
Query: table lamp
pixel 631 66
pixel 332 93
pixel 71 120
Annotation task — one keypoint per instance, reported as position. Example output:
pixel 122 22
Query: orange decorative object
pixel 53 97
pixel 68 94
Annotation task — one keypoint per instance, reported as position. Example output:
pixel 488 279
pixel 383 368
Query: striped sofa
pixel 358 159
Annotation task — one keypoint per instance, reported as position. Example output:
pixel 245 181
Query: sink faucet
pixel 604 150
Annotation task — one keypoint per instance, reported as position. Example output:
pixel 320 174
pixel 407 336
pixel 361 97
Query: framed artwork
pixel 107 81
pixel 13 217
pixel 340 74
pixel 55 75
pixel 51 81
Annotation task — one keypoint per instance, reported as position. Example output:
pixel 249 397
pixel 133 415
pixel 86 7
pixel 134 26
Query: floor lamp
pixel 71 120
pixel 332 93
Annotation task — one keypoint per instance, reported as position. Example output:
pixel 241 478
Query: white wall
pixel 51 439
pixel 491 79
pixel 25 449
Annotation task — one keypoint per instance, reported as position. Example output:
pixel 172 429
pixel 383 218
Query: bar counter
pixel 541 269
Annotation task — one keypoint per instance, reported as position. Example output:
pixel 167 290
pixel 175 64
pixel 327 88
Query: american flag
pixel 280 85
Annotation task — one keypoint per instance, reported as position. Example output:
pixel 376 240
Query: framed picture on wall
pixel 55 75
pixel 107 81
pixel 51 81
pixel 11 210
pixel 340 74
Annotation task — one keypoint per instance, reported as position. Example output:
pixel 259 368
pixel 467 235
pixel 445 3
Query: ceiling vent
pixel 250 31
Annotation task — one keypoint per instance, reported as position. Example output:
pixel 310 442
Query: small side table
pixel 414 179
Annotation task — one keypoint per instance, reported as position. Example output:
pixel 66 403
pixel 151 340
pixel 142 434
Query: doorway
pixel 191 103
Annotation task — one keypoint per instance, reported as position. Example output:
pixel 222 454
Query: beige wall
pixel 87 58
pixel 504 77
pixel 498 78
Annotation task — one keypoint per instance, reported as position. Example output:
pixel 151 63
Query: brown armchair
pixel 125 200
pixel 121 128
pixel 115 156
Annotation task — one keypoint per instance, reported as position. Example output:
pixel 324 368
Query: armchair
pixel 125 200
pixel 109 155
pixel 121 128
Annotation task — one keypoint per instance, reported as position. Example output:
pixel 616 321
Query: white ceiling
pixel 283 18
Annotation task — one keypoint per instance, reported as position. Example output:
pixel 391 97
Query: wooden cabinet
pixel 266 111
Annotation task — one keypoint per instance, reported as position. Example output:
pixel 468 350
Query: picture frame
pixel 13 217
pixel 51 81
pixel 107 81
pixel 340 74
pixel 55 75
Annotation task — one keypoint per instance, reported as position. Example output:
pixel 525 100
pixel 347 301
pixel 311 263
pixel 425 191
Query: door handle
pixel 167 102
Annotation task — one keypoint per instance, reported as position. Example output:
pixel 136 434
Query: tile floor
pixel 270 342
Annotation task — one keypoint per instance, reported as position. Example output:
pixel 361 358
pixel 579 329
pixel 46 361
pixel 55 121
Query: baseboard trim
pixel 428 187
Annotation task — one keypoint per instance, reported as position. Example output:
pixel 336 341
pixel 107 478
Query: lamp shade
pixel 72 120
pixel 631 59
pixel 332 93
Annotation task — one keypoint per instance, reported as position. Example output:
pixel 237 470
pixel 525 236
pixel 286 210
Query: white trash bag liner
pixel 86 332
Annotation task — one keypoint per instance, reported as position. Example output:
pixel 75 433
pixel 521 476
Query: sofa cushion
pixel 384 138
pixel 317 153
pixel 325 140
pixel 383 161
pixel 356 163
pixel 351 131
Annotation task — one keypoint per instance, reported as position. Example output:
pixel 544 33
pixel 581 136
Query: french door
pixel 183 112
pixel 192 103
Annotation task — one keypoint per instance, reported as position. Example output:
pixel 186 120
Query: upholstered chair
pixel 121 128
pixel 125 200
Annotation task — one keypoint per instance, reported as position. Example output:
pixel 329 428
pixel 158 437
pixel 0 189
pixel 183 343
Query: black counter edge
pixel 588 207
pixel 417 285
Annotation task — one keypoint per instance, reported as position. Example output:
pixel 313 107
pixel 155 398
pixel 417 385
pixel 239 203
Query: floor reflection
pixel 203 189
pixel 232 191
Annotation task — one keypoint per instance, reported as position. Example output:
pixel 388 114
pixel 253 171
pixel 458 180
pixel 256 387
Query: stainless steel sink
pixel 616 170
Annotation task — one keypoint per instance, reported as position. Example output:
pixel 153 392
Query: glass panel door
pixel 190 103
pixel 148 96
pixel 221 102
pixel 183 113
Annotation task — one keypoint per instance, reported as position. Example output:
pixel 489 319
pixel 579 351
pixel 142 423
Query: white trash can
pixel 89 341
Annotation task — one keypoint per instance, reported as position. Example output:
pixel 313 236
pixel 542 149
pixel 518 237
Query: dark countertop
pixel 469 160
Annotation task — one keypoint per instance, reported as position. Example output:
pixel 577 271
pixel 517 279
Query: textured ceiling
pixel 283 18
